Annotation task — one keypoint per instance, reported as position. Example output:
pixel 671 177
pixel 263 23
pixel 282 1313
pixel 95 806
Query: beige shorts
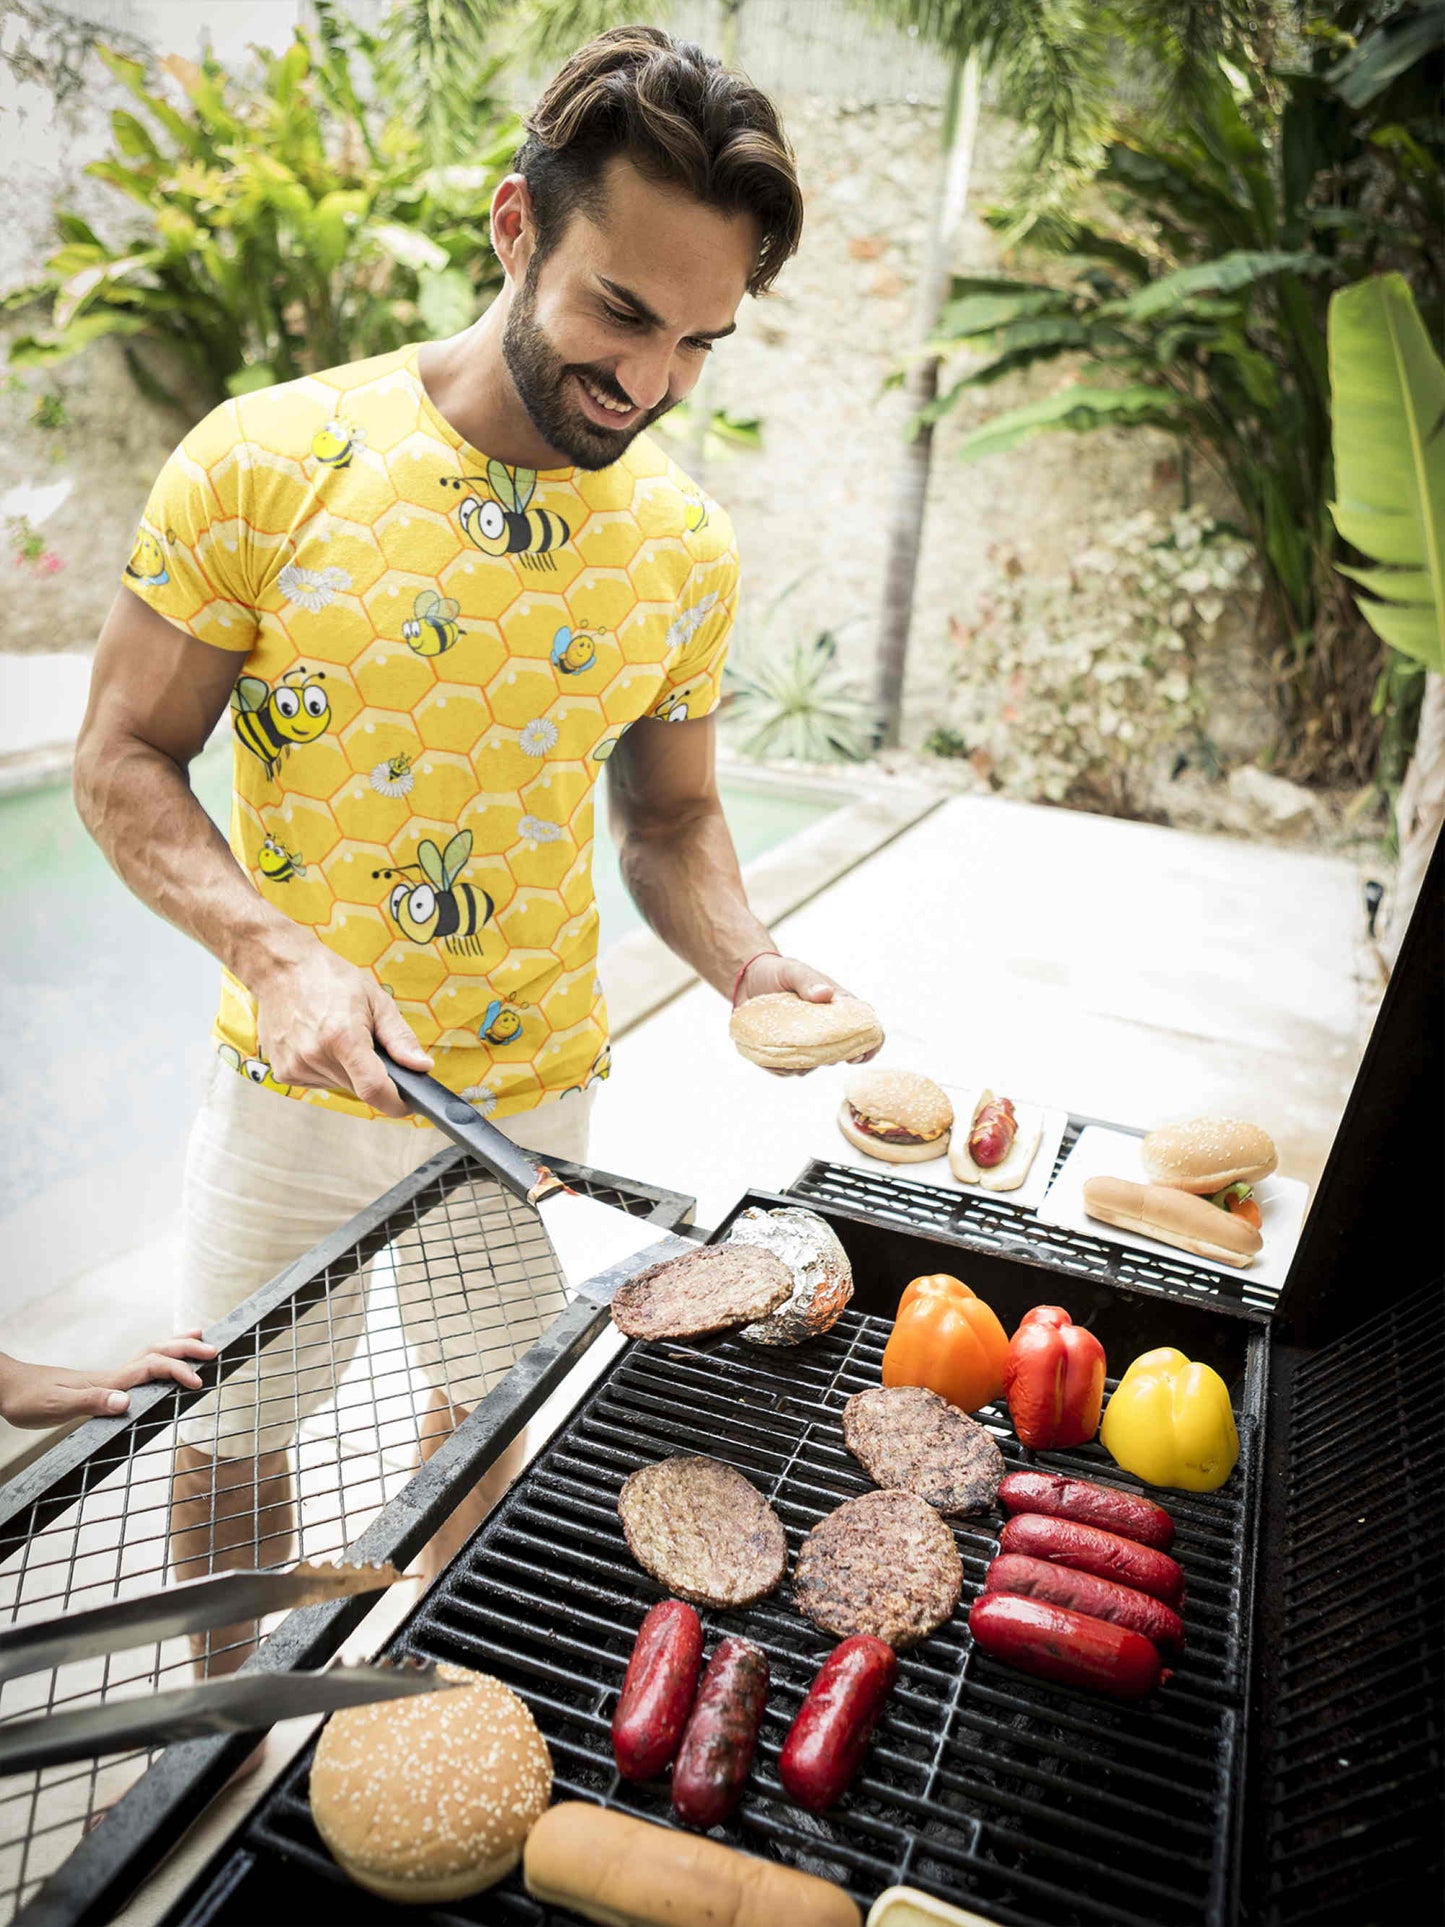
pixel 451 1304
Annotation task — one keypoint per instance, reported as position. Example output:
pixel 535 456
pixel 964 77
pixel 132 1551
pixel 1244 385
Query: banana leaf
pixel 1389 444
pixel 1079 408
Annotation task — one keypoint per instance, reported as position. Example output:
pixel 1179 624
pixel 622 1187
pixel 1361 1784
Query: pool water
pixel 105 1015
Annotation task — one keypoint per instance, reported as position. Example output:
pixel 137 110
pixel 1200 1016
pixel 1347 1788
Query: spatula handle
pixel 433 1101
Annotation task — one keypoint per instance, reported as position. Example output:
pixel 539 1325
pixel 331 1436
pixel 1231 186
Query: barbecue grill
pixel 1289 1773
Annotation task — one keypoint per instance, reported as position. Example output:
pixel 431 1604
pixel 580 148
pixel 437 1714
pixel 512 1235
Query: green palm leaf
pixel 1079 408
pixel 1389 446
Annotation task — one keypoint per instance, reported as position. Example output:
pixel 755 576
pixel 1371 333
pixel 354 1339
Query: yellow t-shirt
pixel 440 653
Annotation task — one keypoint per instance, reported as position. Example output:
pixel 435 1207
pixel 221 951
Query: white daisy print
pixel 394 777
pixel 312 589
pixel 539 736
pixel 536 829
pixel 482 1098
pixel 686 626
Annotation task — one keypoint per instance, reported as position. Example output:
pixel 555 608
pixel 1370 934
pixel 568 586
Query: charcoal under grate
pixel 1039 1804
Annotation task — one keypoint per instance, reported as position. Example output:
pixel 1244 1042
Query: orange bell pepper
pixel 947 1340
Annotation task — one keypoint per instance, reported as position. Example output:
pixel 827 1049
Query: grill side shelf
pixel 1042 1807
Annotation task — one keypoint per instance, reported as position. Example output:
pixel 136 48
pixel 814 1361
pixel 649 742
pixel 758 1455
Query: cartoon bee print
pixel 607 744
pixel 506 524
pixel 433 627
pixel 672 708
pixel 439 908
pixel 695 514
pixel 501 1023
pixel 277 864
pixel 393 776
pixel 272 722
pixel 256 1069
pixel 336 442
pixel 573 650
pixel 147 561
pixel 600 1071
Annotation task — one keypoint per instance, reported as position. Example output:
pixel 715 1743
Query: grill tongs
pixel 237 1704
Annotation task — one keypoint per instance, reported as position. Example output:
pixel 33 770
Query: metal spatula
pixel 597 1247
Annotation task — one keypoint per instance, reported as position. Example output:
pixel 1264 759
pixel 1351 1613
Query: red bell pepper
pixel 1054 1380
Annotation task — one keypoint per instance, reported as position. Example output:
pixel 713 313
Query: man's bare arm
pixel 155 696
pixel 679 863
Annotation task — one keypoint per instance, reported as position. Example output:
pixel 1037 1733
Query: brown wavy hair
pixel 682 119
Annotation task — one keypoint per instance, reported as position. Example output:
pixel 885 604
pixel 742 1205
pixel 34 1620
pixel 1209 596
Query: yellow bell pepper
pixel 1170 1423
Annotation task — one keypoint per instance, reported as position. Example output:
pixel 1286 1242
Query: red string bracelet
pixel 738 980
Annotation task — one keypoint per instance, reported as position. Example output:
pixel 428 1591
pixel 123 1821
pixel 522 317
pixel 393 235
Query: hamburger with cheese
pixel 897 1116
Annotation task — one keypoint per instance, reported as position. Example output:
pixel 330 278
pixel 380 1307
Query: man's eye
pixel 697 347
pixel 623 320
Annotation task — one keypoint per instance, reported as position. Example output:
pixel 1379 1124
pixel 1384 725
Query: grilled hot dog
pixel 717 1747
pixel 1082 1592
pixel 1067 1647
pixel 659 1690
pixel 995 1127
pixel 835 1722
pixel 1065 1542
pixel 1105 1506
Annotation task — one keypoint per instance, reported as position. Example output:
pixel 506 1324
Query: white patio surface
pixel 1118 970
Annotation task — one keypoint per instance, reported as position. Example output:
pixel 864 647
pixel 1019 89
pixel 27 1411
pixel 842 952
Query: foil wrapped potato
pixel 822 1275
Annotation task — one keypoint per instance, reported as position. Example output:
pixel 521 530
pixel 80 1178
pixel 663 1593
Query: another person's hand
pixel 319 1021
pixel 37 1396
pixel 772 973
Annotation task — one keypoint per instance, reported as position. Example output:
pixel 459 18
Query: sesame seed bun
pixel 896 1100
pixel 1208 1153
pixel 787 1033
pixel 431 1798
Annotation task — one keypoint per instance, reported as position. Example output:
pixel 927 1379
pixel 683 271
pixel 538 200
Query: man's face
pixel 612 327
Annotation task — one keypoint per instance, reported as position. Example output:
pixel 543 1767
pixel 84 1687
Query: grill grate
pixel 1038 1804
pixel 1359 1721
pixel 346 1365
pixel 1015 1232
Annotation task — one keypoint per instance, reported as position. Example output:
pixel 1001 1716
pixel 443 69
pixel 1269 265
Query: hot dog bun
pixel 1174 1218
pixel 1010 1174
pixel 1208 1153
pixel 623 1872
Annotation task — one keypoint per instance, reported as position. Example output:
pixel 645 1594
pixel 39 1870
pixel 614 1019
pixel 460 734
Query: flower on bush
pixel 1070 688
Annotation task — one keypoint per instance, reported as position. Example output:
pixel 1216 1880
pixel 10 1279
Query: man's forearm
pixel 139 806
pixel 686 882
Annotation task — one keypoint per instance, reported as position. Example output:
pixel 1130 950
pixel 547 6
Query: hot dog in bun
pixel 895 1115
pixel 998 1146
pixel 1174 1218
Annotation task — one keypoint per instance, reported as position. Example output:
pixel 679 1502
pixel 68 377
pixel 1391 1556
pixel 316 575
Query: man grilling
pixel 438 590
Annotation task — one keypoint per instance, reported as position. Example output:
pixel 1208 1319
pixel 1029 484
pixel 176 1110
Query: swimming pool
pixel 105 1015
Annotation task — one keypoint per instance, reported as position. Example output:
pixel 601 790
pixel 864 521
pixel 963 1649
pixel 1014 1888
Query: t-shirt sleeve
pixel 702 630
pixel 192 558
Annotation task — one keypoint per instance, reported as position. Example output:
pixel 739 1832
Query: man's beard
pixel 542 381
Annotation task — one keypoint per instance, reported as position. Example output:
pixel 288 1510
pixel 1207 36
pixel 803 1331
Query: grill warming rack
pixel 90 1519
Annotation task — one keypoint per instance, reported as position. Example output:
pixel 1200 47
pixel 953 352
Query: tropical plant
pixel 1389 450
pixel 792 698
pixel 290 218
pixel 1198 306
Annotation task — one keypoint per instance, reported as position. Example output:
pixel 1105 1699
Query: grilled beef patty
pixel 706 1290
pixel 884 1564
pixel 912 1440
pixel 703 1530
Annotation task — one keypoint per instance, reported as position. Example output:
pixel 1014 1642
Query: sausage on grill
pixel 1064 1542
pixel 717 1748
pixel 1067 1647
pixel 1105 1506
pixel 827 1740
pixel 1082 1592
pixel 659 1690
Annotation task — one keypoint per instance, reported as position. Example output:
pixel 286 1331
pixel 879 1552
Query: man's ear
pixel 514 232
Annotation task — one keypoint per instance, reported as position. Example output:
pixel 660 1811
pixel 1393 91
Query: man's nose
pixel 645 378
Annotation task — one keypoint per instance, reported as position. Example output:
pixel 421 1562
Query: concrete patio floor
pixel 1119 970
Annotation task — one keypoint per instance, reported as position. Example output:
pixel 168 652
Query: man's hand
pixel 771 973
pixel 319 1021
pixel 37 1396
